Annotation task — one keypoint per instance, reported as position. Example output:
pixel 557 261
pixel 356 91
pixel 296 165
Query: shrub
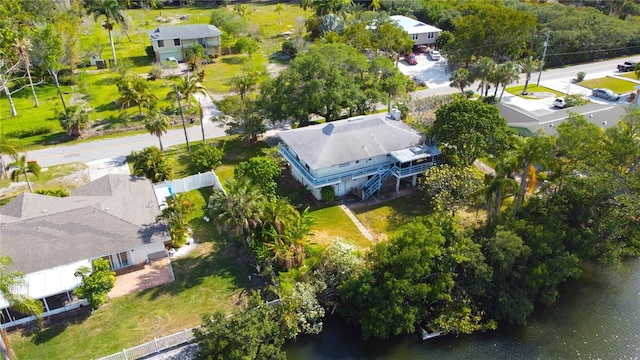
pixel 468 94
pixel 155 73
pixel 151 163
pixel 580 76
pixel 28 132
pixel 328 193
pixel 96 283
pixel 207 157
pixel 576 100
pixel 290 48
pixel 53 192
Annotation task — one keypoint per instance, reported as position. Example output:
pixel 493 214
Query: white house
pixel 171 41
pixel 421 33
pixel 355 156
pixel 49 238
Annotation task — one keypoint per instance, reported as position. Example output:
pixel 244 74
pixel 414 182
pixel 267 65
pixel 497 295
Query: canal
pixel 596 317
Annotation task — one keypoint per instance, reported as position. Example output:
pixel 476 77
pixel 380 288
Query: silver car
pixel 606 94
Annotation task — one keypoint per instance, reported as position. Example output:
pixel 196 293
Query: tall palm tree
pixel 239 210
pixel 135 91
pixel 11 147
pixel 305 4
pixel 112 13
pixel 186 87
pixel 528 65
pixel 485 68
pixel 460 79
pixel 279 214
pixel 288 247
pixel 157 124
pixel 74 119
pixel 506 74
pixel 531 150
pixel 24 167
pixel 23 46
pixel 10 281
pixel 279 9
pixel 175 214
pixel 244 83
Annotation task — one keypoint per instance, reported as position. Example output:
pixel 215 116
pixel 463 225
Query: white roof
pixel 51 281
pixel 413 26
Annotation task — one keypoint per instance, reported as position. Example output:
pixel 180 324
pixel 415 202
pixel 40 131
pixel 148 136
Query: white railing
pixel 153 347
pixel 192 182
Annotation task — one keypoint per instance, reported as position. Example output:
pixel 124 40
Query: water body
pixel 596 317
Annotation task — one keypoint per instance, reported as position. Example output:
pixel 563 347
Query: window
pixel 176 42
pixel 414 36
pixel 430 36
pixel 160 43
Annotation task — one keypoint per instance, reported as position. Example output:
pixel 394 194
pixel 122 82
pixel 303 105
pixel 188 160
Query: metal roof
pixel 338 142
pixel 413 26
pixel 195 31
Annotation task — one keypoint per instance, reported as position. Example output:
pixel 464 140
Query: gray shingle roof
pixel 338 142
pixel 111 214
pixel 195 31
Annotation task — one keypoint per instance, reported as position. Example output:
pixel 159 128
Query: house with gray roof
pixel 171 41
pixel 355 156
pixel 421 33
pixel 528 123
pixel 49 238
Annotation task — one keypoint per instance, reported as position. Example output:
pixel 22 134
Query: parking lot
pixel 432 73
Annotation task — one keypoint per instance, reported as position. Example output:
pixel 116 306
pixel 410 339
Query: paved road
pixel 110 148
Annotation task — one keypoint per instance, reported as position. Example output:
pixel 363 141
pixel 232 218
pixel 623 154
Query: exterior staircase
pixel 374 183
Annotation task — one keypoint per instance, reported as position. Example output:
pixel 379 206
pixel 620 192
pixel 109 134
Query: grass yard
pixel 532 89
pixel 386 218
pixel 630 75
pixel 333 223
pixel 67 176
pixel 618 86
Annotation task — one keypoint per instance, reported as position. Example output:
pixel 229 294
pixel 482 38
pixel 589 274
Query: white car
pixel 560 103
pixel 434 55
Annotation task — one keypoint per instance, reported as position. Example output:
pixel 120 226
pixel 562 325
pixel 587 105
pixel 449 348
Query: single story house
pixel 171 41
pixel 49 238
pixel 421 33
pixel 355 156
pixel 528 123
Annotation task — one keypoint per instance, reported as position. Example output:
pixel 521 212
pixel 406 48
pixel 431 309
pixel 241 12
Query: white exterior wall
pixel 169 49
pixel 139 254
pixel 424 39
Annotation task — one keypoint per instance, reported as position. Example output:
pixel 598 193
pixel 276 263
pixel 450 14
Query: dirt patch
pixel 274 69
pixel 68 182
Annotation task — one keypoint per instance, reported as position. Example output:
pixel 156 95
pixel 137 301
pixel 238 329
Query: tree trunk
pixel 33 90
pixel 160 141
pixel 502 92
pixel 28 182
pixel 12 106
pixel 526 84
pixel 498 204
pixel 113 48
pixel 523 183
pixel 140 110
pixel 54 75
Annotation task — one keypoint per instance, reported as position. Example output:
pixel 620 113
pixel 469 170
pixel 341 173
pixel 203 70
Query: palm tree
pixel 305 4
pixel 531 150
pixel 175 214
pixel 244 83
pixel 279 9
pixel 9 283
pixel 506 73
pixel 195 54
pixel 186 88
pixel 135 91
pixel 157 124
pixel 528 65
pixel 279 214
pixel 239 210
pixel 22 166
pixel 23 46
pixel 288 247
pixel 485 68
pixel 636 71
pixel 113 14
pixel 74 119
pixel 460 79
pixel 11 147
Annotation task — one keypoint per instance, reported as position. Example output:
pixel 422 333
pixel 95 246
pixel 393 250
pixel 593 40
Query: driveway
pixel 433 73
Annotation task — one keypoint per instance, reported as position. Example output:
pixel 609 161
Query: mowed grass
pixel 333 223
pixel 630 75
pixel 386 218
pixel 532 89
pixel 211 278
pixel 618 86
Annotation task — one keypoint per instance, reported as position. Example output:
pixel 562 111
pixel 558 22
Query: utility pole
pixel 544 55
pixel 184 124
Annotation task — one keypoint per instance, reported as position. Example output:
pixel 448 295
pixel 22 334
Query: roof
pixel 416 153
pixel 338 142
pixel 111 214
pixel 195 31
pixel 528 123
pixel 413 26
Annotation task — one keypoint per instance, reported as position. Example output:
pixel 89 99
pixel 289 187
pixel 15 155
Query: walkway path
pixel 357 222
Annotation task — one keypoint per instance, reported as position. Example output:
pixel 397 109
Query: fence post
pixel 124 352
pixel 155 342
pixel 186 335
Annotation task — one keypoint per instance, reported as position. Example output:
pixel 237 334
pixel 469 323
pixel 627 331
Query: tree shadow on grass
pixel 233 60
pixel 138 61
pixel 57 325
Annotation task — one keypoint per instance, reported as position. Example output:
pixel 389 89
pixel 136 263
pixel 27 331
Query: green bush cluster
pixel 53 192
pixel 207 157
pixel 28 132
pixel 328 193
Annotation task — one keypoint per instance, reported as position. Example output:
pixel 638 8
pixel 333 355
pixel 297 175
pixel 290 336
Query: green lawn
pixel 618 86
pixel 386 218
pixel 333 223
pixel 631 75
pixel 532 89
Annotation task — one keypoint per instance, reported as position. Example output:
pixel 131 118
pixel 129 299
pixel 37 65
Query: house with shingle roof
pixel 49 238
pixel 171 41
pixel 421 33
pixel 355 156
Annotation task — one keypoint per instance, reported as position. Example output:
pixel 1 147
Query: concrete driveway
pixel 433 73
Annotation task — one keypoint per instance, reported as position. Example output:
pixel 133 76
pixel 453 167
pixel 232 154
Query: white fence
pixel 193 182
pixel 153 347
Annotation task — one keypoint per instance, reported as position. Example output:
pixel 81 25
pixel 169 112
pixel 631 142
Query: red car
pixel 411 59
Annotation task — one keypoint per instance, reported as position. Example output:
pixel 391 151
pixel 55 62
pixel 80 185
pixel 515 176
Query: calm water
pixel 597 317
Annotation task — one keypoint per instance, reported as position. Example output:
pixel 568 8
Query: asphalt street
pixel 118 147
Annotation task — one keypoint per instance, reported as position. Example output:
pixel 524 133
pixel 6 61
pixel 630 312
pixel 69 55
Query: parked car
pixel 606 94
pixel 411 59
pixel 560 103
pixel 434 55
pixel 627 66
